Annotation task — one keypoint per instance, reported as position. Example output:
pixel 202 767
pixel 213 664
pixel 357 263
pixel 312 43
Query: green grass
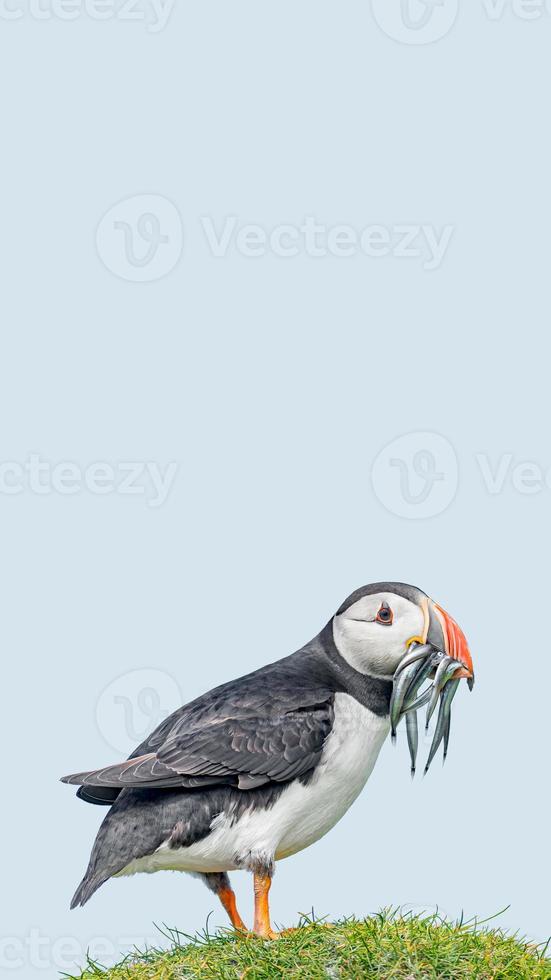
pixel 387 946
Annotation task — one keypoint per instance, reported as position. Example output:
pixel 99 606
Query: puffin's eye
pixel 384 615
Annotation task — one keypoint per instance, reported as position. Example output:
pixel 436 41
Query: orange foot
pixel 227 897
pixel 268 933
pixel 262 924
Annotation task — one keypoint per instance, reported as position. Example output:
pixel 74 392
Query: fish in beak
pixel 441 657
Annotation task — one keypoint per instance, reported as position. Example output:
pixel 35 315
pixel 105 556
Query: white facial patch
pixel 377 648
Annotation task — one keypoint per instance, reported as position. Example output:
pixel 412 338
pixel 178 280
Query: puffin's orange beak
pixel 456 644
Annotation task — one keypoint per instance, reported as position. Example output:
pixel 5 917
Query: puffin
pixel 262 767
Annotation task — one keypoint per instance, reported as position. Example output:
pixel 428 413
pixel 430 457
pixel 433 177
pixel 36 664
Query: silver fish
pixel 418 652
pixel 447 724
pixel 413 738
pixel 442 675
pixel 420 679
pixel 416 667
pixel 443 722
pixel 420 702
pixel 399 691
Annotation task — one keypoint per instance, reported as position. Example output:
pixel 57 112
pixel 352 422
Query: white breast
pixel 347 762
pixel 301 815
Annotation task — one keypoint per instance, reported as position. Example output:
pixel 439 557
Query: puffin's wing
pixel 255 750
pixel 244 752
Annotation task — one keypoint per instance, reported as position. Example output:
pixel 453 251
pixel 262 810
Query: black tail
pixel 89 884
pixel 132 828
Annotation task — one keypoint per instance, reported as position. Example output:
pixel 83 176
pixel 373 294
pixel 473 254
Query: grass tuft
pixel 387 946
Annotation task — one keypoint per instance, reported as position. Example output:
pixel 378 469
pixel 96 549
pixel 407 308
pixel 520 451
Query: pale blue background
pixel 274 384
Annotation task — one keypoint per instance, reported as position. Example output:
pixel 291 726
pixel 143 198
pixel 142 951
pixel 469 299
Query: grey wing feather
pixel 247 752
pixel 290 699
pixel 276 749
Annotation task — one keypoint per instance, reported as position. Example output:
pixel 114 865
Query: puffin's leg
pixel 262 924
pixel 219 883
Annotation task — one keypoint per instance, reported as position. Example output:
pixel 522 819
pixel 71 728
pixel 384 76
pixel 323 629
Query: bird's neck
pixel 373 692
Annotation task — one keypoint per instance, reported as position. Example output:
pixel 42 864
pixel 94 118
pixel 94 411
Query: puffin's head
pixel 376 625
